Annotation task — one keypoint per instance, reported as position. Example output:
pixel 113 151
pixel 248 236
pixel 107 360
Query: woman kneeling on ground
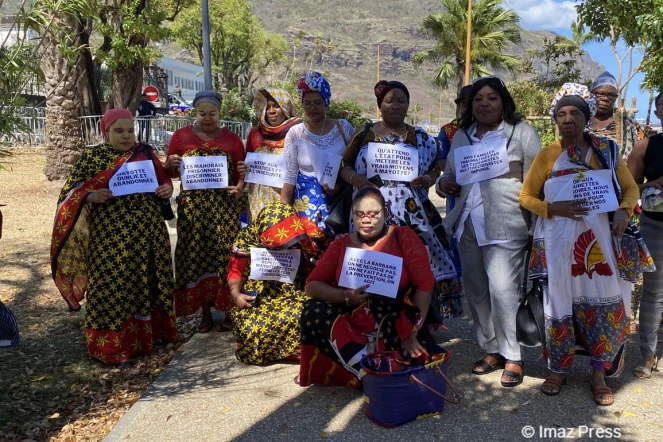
pixel 339 324
pixel 115 249
pixel 586 280
pixel 266 316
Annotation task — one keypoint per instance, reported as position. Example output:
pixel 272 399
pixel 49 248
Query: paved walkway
pixel 205 394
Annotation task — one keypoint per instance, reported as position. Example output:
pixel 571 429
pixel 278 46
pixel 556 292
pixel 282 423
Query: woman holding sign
pixel 313 152
pixel 401 160
pixel 266 276
pixel 586 257
pixel 205 157
pixel 339 324
pixel 110 244
pixel 276 116
pixel 489 158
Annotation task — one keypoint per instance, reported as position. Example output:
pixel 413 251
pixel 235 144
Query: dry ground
pixel 49 388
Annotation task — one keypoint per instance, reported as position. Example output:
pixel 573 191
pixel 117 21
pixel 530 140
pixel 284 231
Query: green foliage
pixel 241 49
pixel 493 30
pixel 237 107
pixel 347 110
pixel 530 97
pixel 559 58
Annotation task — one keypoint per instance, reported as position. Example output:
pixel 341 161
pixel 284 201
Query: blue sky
pixel 557 15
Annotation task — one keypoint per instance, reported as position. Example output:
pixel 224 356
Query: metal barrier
pixel 34 118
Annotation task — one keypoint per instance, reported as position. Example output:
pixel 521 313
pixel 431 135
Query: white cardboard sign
pixel 381 271
pixel 274 265
pixel 266 169
pixel 326 166
pixel 594 186
pixel 480 162
pixel 392 162
pixel 134 177
pixel 204 172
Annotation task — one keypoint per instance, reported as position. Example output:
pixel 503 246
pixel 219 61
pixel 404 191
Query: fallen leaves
pixel 324 434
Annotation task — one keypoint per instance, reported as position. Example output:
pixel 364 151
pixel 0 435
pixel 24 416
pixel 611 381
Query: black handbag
pixel 530 322
pixel 339 214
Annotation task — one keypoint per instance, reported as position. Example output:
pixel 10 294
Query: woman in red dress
pixel 339 325
pixel 208 219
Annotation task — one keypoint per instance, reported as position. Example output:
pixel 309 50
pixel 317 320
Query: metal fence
pixel 155 131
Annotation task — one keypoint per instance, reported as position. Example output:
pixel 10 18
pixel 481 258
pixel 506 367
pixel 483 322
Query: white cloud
pixel 544 14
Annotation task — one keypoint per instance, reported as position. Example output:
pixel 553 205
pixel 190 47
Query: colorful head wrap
pixel 606 78
pixel 574 94
pixel 315 82
pixel 383 87
pixel 211 97
pixel 279 226
pixel 111 117
pixel 280 96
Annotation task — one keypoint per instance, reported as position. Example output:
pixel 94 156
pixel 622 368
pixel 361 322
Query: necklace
pixel 322 129
pixel 491 128
pixel 372 240
pixel 403 135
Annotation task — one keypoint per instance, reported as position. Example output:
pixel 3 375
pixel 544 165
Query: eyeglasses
pixel 310 104
pixel 372 214
pixel 611 96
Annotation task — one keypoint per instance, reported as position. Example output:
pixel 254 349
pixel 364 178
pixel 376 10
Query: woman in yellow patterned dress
pixel 208 219
pixel 276 115
pixel 266 317
pixel 115 250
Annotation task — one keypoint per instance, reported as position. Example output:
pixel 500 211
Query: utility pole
pixel 207 55
pixel 377 108
pixel 468 44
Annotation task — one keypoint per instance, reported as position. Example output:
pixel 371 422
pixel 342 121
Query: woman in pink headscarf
pixel 110 244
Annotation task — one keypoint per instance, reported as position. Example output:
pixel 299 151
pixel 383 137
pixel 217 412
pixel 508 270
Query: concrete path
pixel 205 394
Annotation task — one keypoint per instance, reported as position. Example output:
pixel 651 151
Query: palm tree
pixel 580 37
pixel 493 29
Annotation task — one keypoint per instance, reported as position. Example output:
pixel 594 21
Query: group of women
pixel 115 250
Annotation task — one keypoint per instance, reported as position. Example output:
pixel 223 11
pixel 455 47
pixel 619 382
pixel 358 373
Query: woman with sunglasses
pixel 339 324
pixel 491 228
pixel 318 133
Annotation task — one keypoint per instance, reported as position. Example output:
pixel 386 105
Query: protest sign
pixel 381 271
pixel 205 172
pixel 595 187
pixel 392 162
pixel 134 177
pixel 480 162
pixel 265 169
pixel 274 265
pixel 325 165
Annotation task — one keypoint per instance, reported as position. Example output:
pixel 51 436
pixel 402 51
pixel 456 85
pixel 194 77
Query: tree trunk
pixel 63 104
pixel 649 106
pixel 127 86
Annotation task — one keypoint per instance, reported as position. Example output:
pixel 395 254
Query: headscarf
pixel 315 82
pixel 278 226
pixel 606 78
pixel 383 87
pixel 283 99
pixel 574 94
pixel 111 116
pixel 211 97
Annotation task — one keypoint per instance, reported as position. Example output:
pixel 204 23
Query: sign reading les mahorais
pixel 392 162
pixel 210 172
pixel 480 162
pixel 134 177
pixel 381 271
pixel 593 186
pixel 265 169
pixel 274 265
pixel 325 165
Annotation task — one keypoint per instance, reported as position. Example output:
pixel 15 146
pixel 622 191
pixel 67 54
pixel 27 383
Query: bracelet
pixel 429 180
pixel 347 298
pixel 351 176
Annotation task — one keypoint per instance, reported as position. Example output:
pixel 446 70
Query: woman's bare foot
pixel 601 393
pixel 553 384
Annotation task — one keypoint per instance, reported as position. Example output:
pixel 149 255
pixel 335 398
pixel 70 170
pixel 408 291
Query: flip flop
pixel 598 392
pixel 555 383
pixel 512 374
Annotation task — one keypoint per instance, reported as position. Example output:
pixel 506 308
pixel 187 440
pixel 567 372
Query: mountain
pixel 357 27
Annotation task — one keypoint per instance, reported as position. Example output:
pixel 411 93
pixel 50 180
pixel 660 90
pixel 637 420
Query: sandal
pixel 645 372
pixel 602 395
pixel 488 364
pixel 517 375
pixel 204 328
pixel 555 383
